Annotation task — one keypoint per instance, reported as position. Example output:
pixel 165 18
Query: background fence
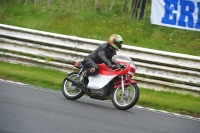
pixel 157 70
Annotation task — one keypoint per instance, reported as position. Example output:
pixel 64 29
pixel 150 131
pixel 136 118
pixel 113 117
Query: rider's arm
pixel 102 56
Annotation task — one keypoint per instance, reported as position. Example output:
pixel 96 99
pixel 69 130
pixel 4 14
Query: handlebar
pixel 120 67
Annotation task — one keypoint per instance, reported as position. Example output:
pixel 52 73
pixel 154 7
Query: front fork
pixel 122 83
pixel 79 73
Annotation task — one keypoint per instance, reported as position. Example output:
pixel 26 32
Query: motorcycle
pixel 118 83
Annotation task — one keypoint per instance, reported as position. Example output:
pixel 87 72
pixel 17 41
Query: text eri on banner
pixel 183 14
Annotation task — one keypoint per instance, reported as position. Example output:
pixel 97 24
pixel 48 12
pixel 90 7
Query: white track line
pixel 106 101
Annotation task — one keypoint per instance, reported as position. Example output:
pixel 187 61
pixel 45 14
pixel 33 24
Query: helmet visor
pixel 117 44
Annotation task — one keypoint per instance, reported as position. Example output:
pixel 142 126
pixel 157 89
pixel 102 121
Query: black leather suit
pixel 102 54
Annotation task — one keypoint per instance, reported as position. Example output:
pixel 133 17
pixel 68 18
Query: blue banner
pixel 184 14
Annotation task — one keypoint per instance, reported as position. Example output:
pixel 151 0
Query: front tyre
pixel 128 99
pixel 71 90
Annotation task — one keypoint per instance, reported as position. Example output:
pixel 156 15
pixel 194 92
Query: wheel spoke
pixel 126 98
pixel 70 89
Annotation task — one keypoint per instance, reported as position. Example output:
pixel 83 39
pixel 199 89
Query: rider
pixel 102 54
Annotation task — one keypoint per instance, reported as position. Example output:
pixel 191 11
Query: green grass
pixel 79 18
pixel 32 75
pixel 172 102
pixel 52 79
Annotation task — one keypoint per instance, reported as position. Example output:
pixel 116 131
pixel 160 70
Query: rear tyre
pixel 128 99
pixel 71 90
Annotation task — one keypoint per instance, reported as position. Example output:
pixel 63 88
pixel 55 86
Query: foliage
pixel 79 18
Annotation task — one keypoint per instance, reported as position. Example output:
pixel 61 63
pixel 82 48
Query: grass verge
pixel 52 79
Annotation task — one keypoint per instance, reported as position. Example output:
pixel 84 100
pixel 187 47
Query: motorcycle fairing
pixel 104 70
pixel 99 81
pixel 104 76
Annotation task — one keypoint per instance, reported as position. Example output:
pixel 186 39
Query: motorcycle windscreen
pixel 122 59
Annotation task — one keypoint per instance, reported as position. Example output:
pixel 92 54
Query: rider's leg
pixel 92 70
pixel 91 67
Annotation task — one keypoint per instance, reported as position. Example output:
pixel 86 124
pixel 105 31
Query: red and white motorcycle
pixel 118 82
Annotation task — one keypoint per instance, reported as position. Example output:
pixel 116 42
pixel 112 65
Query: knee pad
pixel 94 73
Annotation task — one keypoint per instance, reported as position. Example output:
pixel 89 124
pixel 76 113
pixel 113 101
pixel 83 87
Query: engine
pixel 99 92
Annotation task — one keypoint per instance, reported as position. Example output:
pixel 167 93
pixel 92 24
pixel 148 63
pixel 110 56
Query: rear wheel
pixel 127 99
pixel 71 90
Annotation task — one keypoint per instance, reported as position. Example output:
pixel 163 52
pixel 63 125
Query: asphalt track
pixel 29 109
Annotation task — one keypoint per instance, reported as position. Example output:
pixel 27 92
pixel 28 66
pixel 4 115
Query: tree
pixel 113 1
pixel 49 2
pixel 125 6
pixel 138 9
pixel 97 5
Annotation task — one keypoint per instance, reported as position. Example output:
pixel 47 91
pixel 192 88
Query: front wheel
pixel 71 90
pixel 127 99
